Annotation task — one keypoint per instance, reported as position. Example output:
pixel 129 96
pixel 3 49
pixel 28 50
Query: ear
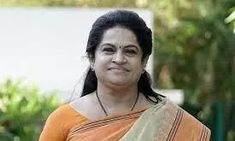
pixel 145 61
pixel 91 64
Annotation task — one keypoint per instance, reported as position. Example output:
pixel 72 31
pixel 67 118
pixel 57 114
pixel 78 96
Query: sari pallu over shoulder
pixel 167 123
pixel 163 122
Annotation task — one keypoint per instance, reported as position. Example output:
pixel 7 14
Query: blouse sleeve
pixel 60 122
pixel 53 129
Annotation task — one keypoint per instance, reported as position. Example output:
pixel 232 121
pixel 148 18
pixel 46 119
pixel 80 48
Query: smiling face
pixel 118 58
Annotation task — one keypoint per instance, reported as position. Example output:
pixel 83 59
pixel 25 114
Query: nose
pixel 119 58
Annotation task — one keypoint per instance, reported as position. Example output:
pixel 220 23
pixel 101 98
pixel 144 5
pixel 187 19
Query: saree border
pixel 175 125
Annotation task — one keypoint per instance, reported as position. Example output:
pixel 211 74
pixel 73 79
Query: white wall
pixel 47 46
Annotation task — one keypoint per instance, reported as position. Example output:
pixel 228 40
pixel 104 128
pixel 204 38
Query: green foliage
pixel 23 111
pixel 198 52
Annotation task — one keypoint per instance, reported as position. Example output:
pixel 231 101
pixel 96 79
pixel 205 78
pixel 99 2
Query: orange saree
pixel 162 122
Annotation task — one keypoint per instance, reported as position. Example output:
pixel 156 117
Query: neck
pixel 117 95
pixel 117 101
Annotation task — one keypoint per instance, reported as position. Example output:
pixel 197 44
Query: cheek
pixel 101 62
pixel 139 63
pixel 138 67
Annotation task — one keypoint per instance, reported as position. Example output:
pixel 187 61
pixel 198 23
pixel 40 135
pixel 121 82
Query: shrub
pixel 23 110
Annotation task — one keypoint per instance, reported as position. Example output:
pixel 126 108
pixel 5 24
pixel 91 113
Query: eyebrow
pixel 108 45
pixel 126 46
pixel 131 46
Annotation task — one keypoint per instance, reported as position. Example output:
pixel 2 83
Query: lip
pixel 119 69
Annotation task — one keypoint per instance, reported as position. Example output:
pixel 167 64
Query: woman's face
pixel 118 58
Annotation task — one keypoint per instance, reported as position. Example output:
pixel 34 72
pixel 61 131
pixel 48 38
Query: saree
pixel 164 121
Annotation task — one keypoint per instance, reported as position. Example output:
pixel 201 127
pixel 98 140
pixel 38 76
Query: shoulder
pixel 65 114
pixel 62 110
pixel 60 122
pixel 166 109
pixel 187 123
pixel 176 110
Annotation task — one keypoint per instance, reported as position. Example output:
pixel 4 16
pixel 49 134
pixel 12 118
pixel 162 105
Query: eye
pixel 108 50
pixel 130 52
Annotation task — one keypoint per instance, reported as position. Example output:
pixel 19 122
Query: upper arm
pixel 53 129
pixel 60 122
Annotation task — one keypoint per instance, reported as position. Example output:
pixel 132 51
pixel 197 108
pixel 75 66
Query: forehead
pixel 119 36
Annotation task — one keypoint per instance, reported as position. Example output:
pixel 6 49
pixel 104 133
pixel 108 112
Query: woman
pixel 117 101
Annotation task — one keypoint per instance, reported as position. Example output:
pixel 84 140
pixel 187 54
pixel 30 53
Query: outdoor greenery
pixel 194 50
pixel 23 111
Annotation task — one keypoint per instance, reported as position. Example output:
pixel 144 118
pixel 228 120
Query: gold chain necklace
pixel 102 106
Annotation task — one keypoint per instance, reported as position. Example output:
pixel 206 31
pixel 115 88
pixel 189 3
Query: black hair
pixel 131 21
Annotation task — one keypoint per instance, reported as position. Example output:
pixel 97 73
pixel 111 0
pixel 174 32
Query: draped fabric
pixel 163 122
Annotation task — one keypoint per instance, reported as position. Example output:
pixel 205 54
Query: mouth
pixel 122 69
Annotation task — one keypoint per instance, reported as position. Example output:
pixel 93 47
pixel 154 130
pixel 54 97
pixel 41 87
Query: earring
pixel 92 68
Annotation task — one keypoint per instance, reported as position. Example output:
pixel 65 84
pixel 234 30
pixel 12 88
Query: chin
pixel 119 83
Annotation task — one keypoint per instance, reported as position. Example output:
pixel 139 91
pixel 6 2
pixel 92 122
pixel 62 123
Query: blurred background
pixel 194 52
